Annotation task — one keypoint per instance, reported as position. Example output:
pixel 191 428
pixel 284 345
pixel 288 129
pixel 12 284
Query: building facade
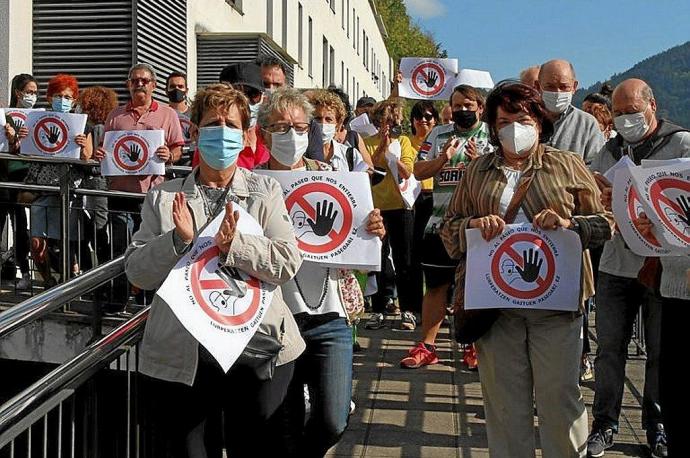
pixel 321 42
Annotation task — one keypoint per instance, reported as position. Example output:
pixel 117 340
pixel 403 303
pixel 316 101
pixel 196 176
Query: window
pixel 285 24
pixel 342 75
pixel 365 48
pixel 347 82
pixel 269 17
pixel 354 35
pixel 331 65
pixel 324 66
pixel 300 33
pixel 348 18
pixel 311 47
pixel 358 35
pixel 353 94
pixel 342 14
pixel 333 6
pixel 237 4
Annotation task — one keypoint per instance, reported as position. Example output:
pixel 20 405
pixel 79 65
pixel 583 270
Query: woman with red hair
pixel 45 209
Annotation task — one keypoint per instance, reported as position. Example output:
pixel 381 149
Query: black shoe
pixel 599 441
pixel 657 442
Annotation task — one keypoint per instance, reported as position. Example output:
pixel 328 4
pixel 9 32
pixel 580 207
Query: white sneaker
pixel 24 282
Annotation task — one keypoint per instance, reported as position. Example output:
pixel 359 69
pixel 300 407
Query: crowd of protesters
pixel 519 153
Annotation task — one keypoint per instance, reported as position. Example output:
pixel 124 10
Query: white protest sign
pixel 363 126
pixel 665 195
pixel 220 306
pixel 624 163
pixel 4 143
pixel 330 211
pixel 19 115
pixel 427 78
pixel 476 78
pixel 52 134
pixel 524 268
pixel 647 163
pixel 627 208
pixel 132 152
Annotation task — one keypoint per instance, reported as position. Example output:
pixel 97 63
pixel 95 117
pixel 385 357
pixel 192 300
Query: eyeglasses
pixel 66 97
pixel 426 116
pixel 282 128
pixel 142 81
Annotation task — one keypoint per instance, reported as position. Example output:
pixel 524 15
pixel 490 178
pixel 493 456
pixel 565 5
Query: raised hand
pixel 228 228
pixel 134 152
pixel 184 224
pixel 532 264
pixel 685 206
pixel 325 217
pixel 53 135
pixel 431 79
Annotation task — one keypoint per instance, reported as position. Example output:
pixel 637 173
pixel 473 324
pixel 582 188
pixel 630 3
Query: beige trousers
pixel 529 353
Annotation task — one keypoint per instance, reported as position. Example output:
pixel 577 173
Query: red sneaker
pixel 469 357
pixel 419 356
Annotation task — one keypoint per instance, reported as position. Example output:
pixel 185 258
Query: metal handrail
pixel 54 298
pixel 72 161
pixel 50 389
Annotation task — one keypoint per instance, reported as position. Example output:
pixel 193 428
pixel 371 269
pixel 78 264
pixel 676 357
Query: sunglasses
pixel 426 116
pixel 143 81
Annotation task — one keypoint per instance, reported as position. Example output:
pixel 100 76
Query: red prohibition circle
pixel 506 247
pixel 633 198
pixel 656 194
pixel 422 68
pixel 17 115
pixel 335 237
pixel 122 143
pixel 185 124
pixel 42 125
pixel 198 286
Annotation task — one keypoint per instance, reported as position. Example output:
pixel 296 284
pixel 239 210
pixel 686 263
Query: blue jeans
pixel 326 368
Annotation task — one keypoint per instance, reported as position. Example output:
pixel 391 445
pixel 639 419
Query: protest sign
pixel 525 268
pixel 220 306
pixel 132 152
pixel 4 143
pixel 626 208
pixel 409 187
pixel 476 78
pixel 363 126
pixel 427 78
pixel 330 211
pixel 665 196
pixel 19 115
pixel 52 134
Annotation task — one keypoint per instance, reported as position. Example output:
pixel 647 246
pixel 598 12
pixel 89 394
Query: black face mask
pixel 464 118
pixel 176 95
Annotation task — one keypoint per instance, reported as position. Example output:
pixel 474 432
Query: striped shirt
pixel 561 182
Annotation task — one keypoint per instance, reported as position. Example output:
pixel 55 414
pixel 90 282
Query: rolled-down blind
pixel 89 39
pixel 215 51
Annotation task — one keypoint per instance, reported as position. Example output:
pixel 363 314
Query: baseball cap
pixel 245 73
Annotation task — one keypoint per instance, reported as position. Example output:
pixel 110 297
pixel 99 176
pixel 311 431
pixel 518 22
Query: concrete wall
pixel 16 47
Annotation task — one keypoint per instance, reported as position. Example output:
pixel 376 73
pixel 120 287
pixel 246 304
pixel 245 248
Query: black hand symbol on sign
pixel 532 265
pixel 18 124
pixel 685 206
pixel 134 152
pixel 53 135
pixel 431 79
pixel 325 217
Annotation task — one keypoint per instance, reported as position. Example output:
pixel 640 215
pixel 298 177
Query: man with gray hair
pixel 620 293
pixel 530 75
pixel 574 130
pixel 140 113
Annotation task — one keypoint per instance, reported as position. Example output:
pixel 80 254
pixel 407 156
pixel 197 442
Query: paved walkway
pixel 437 411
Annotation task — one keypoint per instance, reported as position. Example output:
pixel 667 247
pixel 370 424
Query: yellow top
pixel 428 184
pixel 386 194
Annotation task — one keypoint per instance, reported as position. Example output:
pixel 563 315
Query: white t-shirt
pixel 313 284
pixel 513 176
pixel 339 159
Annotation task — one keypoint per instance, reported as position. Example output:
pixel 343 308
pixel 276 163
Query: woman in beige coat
pixel 196 392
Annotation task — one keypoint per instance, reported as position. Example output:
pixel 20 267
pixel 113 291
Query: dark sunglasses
pixel 426 116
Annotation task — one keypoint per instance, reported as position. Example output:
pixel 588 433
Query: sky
pixel 599 37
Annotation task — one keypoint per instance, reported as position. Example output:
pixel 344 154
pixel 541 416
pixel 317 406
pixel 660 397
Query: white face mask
pixel 27 101
pixel 288 148
pixel 517 138
pixel 632 127
pixel 253 113
pixel 557 102
pixel 327 132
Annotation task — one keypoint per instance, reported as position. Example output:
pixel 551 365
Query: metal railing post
pixel 64 222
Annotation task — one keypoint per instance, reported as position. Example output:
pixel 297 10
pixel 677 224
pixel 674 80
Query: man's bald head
pixel 557 75
pixel 633 97
pixel 530 75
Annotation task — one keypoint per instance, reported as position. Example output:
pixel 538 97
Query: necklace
pixel 219 203
pixel 324 292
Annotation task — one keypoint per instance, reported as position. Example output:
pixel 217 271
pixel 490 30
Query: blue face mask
pixel 61 104
pixel 220 146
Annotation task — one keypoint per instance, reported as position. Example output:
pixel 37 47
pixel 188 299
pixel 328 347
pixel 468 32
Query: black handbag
pixel 470 325
pixel 261 354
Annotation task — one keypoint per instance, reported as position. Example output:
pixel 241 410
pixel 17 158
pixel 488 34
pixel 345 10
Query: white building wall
pixel 218 16
pixel 15 34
